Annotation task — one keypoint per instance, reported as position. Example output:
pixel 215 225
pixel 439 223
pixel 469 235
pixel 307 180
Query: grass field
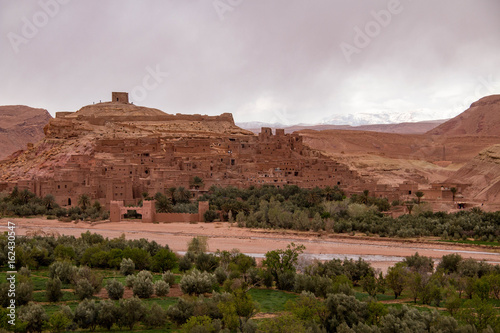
pixel 271 300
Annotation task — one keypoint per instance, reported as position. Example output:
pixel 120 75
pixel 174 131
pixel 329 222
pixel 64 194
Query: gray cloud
pixel 263 61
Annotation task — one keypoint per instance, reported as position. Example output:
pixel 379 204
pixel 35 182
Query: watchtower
pixel 119 97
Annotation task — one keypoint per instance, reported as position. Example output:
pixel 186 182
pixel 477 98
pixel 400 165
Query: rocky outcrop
pixel 483 174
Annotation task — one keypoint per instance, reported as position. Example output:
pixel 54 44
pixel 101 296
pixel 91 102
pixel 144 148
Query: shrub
pixel 143 285
pixel 207 262
pixel 133 311
pixel 156 317
pixel 108 314
pixel 345 309
pixel 185 264
pixel 129 281
pixel 220 275
pixel 24 271
pixel 63 270
pixel 86 314
pixel 59 322
pixel 200 324
pixel 115 289
pixel 34 316
pixel 141 257
pixel 24 293
pixel 168 277
pixel 197 282
pixel 210 215
pixel 164 260
pixel 54 292
pixel 161 288
pixel 286 280
pixel 418 263
pixel 87 274
pixel 179 313
pixel 84 289
pixel 266 277
pixel 127 266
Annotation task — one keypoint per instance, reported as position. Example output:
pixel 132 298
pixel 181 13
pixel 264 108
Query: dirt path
pixel 381 252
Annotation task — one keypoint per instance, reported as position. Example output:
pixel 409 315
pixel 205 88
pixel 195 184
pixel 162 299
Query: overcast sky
pixel 287 61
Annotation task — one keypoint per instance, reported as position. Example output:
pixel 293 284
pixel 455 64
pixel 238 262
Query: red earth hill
pixel 482 118
pixel 20 125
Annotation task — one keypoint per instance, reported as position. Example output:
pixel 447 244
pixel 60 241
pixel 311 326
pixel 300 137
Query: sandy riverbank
pixel 380 252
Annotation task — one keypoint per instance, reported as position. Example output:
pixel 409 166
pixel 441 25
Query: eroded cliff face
pixel 20 125
pixel 483 173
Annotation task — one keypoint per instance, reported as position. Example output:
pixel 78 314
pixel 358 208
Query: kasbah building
pixel 136 149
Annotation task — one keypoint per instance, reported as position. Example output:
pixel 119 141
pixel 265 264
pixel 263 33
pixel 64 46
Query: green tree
pixel 196 182
pixel 281 261
pixel 453 192
pixel 86 314
pixel 84 201
pixel 108 314
pixel 156 317
pixel 53 288
pixel 133 311
pixel 479 313
pixel 163 204
pixel 396 278
pixel 164 260
pixel 115 289
pixel 198 244
pixel 59 322
pixel 143 285
pixel 35 317
pixel 49 201
pixel 182 195
pixel 161 288
pixel 418 263
pixel 127 266
pixel 419 195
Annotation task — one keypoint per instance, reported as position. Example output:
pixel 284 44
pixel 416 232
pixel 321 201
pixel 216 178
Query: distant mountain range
pixel 402 128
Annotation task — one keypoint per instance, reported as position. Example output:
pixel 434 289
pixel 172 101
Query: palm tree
pixel 419 195
pixel 182 195
pixel 197 182
pixel 453 191
pixel 409 205
pixel 163 204
pixel 25 196
pixel 171 191
pixel 49 201
pixel 84 201
pixel 365 196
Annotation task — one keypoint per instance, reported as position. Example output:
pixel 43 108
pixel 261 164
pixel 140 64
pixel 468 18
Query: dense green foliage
pixel 26 203
pixel 224 290
pixel 291 207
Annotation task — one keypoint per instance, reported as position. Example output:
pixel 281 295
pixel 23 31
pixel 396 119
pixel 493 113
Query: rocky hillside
pixel 77 133
pixel 483 174
pixel 20 125
pixel 482 118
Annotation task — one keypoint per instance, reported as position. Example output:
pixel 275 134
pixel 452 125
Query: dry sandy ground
pixel 381 253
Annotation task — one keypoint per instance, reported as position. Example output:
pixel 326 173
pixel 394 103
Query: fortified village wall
pixel 121 167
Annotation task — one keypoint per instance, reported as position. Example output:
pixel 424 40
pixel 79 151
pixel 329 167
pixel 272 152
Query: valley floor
pixel 380 252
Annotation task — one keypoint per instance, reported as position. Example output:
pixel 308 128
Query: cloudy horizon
pixel 286 61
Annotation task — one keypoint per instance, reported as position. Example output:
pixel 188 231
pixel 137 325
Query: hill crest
pixel 482 118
